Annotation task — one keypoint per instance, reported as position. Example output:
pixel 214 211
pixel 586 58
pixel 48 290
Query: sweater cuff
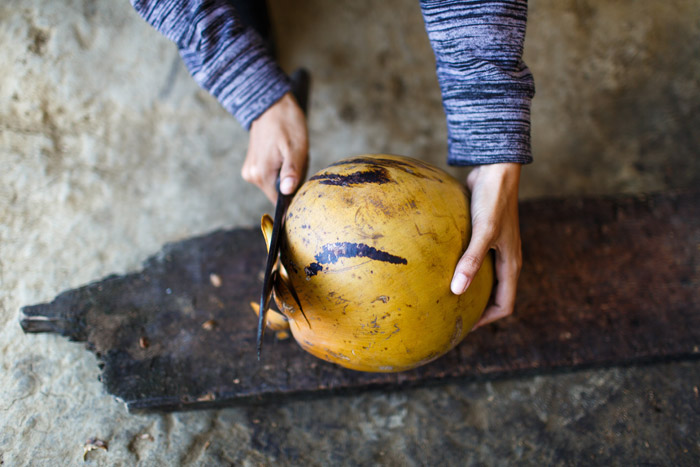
pixel 231 61
pixel 240 73
pixel 254 91
pixel 495 129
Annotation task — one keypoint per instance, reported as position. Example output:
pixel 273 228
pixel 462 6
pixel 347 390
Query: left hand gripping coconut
pixel 368 252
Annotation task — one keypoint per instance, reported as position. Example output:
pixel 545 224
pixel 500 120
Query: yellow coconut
pixel 369 249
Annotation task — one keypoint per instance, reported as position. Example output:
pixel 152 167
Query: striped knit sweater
pixel 478 44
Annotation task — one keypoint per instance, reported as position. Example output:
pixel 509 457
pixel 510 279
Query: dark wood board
pixel 605 281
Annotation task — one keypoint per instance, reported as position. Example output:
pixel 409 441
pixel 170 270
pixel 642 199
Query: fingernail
pixel 459 283
pixel 287 185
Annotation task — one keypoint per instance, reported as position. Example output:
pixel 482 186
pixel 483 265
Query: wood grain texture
pixel 605 281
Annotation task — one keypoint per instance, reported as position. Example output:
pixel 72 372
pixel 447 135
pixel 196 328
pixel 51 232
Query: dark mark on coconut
pixel 332 252
pixel 384 162
pixel 312 269
pixel 377 175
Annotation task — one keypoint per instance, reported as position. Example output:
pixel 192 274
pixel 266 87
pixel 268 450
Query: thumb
pixel 292 172
pixel 470 262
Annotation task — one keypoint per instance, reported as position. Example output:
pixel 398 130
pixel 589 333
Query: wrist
pixel 284 108
pixel 501 175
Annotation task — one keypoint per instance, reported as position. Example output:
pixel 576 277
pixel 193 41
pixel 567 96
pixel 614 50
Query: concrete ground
pixel 109 150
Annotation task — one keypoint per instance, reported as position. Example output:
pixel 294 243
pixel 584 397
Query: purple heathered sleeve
pixel 486 88
pixel 225 57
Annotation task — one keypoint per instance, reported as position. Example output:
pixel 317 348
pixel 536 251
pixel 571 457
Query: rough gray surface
pixel 108 150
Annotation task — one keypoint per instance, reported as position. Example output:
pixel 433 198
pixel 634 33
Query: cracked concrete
pixel 109 150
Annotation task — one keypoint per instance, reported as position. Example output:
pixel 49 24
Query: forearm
pixel 486 88
pixel 225 57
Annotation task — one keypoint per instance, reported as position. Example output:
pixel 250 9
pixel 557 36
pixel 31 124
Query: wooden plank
pixel 605 281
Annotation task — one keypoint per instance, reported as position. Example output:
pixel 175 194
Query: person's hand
pixel 494 212
pixel 278 144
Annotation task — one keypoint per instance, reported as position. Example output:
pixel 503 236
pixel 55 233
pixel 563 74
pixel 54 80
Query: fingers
pixel 293 170
pixel 261 176
pixel 507 272
pixel 494 213
pixel 471 260
pixel 278 146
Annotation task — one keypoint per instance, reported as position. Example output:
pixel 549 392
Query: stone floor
pixel 109 150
